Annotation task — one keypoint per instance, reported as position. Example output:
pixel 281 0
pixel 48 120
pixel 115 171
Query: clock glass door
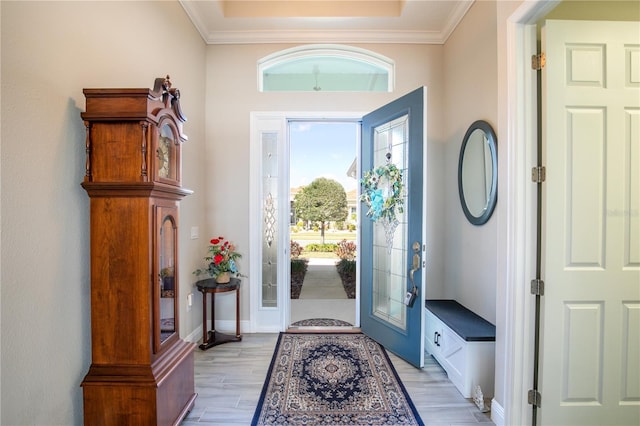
pixel 166 286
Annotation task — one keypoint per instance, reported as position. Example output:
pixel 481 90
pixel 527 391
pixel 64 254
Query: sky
pixel 322 149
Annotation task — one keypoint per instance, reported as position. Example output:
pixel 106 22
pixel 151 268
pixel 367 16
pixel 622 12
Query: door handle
pixel 411 295
pixel 415 264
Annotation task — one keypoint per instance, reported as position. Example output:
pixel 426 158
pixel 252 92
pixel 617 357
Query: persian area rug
pixel 321 322
pixel 332 379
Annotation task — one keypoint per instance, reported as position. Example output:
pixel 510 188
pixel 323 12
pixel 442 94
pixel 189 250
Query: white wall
pixel 232 94
pixel 50 52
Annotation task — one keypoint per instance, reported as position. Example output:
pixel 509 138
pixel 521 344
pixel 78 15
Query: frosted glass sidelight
pixel 269 288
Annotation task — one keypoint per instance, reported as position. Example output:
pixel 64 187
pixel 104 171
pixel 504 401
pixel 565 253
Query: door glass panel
pixel 269 149
pixel 389 246
pixel 167 278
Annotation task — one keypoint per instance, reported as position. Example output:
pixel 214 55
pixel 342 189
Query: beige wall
pixel 232 94
pixel 50 52
pixel 471 82
pixel 45 217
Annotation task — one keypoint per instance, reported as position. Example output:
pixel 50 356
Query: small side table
pixel 210 286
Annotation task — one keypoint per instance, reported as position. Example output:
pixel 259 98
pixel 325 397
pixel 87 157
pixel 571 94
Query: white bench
pixel 463 343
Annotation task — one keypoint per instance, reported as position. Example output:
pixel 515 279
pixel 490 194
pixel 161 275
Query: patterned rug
pixel 321 322
pixel 332 379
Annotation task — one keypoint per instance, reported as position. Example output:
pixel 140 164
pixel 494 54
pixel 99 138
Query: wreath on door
pixel 382 192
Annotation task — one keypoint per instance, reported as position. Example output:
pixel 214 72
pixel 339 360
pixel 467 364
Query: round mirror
pixel 478 172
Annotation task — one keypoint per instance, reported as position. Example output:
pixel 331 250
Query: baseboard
pixel 194 336
pixel 497 413
pixel 229 326
pixel 267 329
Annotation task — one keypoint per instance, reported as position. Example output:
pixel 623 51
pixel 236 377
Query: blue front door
pixel 392 231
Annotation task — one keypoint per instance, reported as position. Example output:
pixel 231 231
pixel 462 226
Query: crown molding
pixel 211 36
pixel 322 36
pixel 455 18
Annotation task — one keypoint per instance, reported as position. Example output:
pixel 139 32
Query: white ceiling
pixel 419 21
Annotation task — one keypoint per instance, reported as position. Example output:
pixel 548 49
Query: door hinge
pixel 538 174
pixel 538 61
pixel 534 398
pixel 537 287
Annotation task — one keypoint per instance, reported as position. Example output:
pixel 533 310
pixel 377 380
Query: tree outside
pixel 322 210
pixel 323 201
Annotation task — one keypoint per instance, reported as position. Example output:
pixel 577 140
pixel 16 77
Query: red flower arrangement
pixel 221 258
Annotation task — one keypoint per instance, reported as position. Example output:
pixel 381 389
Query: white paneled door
pixel 590 368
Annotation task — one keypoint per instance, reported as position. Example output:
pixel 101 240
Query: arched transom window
pixel 327 68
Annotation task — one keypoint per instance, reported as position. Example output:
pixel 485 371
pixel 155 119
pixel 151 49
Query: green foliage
pixel 345 266
pixel 351 227
pixel 381 206
pixel 323 200
pixel 346 250
pixel 299 265
pixel 325 248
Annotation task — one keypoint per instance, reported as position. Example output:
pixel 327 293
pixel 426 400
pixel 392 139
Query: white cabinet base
pixel 468 363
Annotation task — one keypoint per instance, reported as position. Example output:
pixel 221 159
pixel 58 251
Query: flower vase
pixel 223 278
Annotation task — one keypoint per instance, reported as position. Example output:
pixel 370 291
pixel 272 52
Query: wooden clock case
pixel 141 370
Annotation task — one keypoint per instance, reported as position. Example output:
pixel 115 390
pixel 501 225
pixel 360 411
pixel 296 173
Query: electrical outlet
pixel 195 232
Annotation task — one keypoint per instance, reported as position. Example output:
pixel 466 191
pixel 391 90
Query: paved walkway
pixel 322 281
pixel 322 294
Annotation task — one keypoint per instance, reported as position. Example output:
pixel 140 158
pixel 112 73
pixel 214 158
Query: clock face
pixel 164 152
pixel 163 156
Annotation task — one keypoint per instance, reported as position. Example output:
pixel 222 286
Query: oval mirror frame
pixel 486 210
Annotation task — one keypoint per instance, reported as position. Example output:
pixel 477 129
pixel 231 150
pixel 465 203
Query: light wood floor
pixel 229 380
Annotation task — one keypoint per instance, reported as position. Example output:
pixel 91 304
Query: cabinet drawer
pixel 453 357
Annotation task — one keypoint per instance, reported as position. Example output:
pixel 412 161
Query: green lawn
pixel 305 237
pixel 318 255
pixel 328 236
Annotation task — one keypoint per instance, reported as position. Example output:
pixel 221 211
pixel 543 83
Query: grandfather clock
pixel 141 371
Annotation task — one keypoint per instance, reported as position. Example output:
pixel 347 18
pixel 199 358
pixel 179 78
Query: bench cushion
pixel 468 325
